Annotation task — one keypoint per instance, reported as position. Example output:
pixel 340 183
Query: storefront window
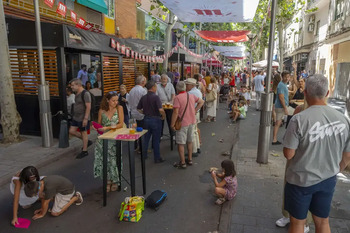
pixel 339 8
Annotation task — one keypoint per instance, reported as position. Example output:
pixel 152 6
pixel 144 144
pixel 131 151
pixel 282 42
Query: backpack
pixel 93 102
pixel 155 199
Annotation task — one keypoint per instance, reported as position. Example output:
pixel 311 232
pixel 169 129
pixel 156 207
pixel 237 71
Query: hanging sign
pixel 123 49
pixel 49 3
pixel 118 47
pixel 81 23
pixel 61 9
pixel 88 26
pixel 113 45
pixel 73 16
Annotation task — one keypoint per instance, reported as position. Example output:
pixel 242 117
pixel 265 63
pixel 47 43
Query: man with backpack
pixel 81 115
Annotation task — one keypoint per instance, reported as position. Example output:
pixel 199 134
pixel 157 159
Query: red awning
pixel 224 36
pixel 236 58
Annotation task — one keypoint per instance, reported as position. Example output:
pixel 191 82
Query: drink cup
pixel 132 131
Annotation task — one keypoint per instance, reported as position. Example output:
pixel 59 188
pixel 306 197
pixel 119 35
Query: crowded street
pixel 194 116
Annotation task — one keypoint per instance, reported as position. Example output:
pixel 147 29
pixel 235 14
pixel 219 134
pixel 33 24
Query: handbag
pixel 211 96
pixel 179 120
pixel 131 209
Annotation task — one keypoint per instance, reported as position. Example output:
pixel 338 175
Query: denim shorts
pixel 79 124
pixel 316 198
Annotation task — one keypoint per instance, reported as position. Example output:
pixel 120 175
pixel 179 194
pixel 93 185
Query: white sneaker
pixel 306 229
pixel 282 222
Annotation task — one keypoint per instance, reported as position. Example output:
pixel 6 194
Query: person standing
pixel 317 147
pixel 281 105
pixel 123 100
pixel 156 77
pixel 192 89
pixel 81 116
pixel 184 107
pixel 170 75
pixel 151 106
pixel 211 106
pixel 166 93
pixel 135 95
pixel 110 116
pixel 207 78
pixel 83 75
pixel 259 88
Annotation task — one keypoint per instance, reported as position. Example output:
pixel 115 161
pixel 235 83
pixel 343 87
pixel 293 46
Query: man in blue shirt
pixel 281 105
pixel 83 75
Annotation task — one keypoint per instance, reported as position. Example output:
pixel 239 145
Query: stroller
pixel 224 91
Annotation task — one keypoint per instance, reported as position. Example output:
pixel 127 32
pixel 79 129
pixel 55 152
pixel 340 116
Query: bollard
pixel 64 136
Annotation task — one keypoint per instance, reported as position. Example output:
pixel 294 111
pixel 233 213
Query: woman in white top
pixel 18 181
pixel 211 106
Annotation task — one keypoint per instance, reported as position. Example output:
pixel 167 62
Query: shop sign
pixel 49 3
pixel 61 9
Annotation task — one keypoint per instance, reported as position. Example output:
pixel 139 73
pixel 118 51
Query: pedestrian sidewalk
pixel 16 156
pixel 257 205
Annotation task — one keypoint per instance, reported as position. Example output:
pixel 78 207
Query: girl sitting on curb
pixel 227 188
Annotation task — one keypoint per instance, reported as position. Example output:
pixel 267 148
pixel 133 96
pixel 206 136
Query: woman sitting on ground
pixel 18 181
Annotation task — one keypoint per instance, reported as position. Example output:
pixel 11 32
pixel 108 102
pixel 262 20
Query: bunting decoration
pixel 49 3
pixel 73 16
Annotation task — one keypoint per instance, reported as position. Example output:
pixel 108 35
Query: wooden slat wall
pixel 25 71
pixel 110 74
pixel 128 73
pixel 141 68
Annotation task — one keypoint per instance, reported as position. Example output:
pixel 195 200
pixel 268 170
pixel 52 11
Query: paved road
pixel 189 208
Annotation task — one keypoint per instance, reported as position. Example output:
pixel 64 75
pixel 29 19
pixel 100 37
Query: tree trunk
pixel 168 39
pixel 10 118
pixel 281 45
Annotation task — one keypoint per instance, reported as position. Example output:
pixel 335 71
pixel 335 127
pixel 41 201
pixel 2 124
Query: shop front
pixel 65 48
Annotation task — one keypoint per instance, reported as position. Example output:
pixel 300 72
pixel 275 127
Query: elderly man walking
pixel 191 88
pixel 166 93
pixel 184 107
pixel 136 94
pixel 151 107
pixel 317 146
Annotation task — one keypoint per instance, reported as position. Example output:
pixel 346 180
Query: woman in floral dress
pixel 111 117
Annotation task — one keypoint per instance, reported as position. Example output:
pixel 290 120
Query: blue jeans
pixel 154 127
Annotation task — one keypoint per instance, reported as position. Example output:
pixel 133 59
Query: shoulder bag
pixel 179 120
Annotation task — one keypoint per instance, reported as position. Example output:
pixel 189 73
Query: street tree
pixel 10 118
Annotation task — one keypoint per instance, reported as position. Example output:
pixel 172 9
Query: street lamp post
pixel 43 93
pixel 267 98
pixel 178 37
pixel 251 37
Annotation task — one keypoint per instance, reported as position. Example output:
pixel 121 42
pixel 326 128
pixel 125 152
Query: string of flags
pixel 82 24
pixel 79 22
pixel 155 59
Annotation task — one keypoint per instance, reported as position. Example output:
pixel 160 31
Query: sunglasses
pixel 112 92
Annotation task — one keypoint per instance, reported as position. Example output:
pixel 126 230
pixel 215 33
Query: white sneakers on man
pixel 282 222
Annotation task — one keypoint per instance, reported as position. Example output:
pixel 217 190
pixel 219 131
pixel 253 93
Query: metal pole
pixel 44 93
pixel 267 98
pixel 250 63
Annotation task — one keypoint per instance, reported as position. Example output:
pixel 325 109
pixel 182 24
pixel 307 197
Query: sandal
pixel 220 201
pixel 108 188
pixel 180 165
pixel 189 162
pixel 115 187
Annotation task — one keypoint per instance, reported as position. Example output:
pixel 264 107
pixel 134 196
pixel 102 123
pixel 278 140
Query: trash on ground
pixel 221 140
pixel 125 189
pixel 226 153
pixel 212 134
pixel 275 154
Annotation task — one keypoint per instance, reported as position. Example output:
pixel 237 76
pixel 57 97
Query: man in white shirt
pixel 258 84
pixel 192 89
pixel 135 95
pixel 166 93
